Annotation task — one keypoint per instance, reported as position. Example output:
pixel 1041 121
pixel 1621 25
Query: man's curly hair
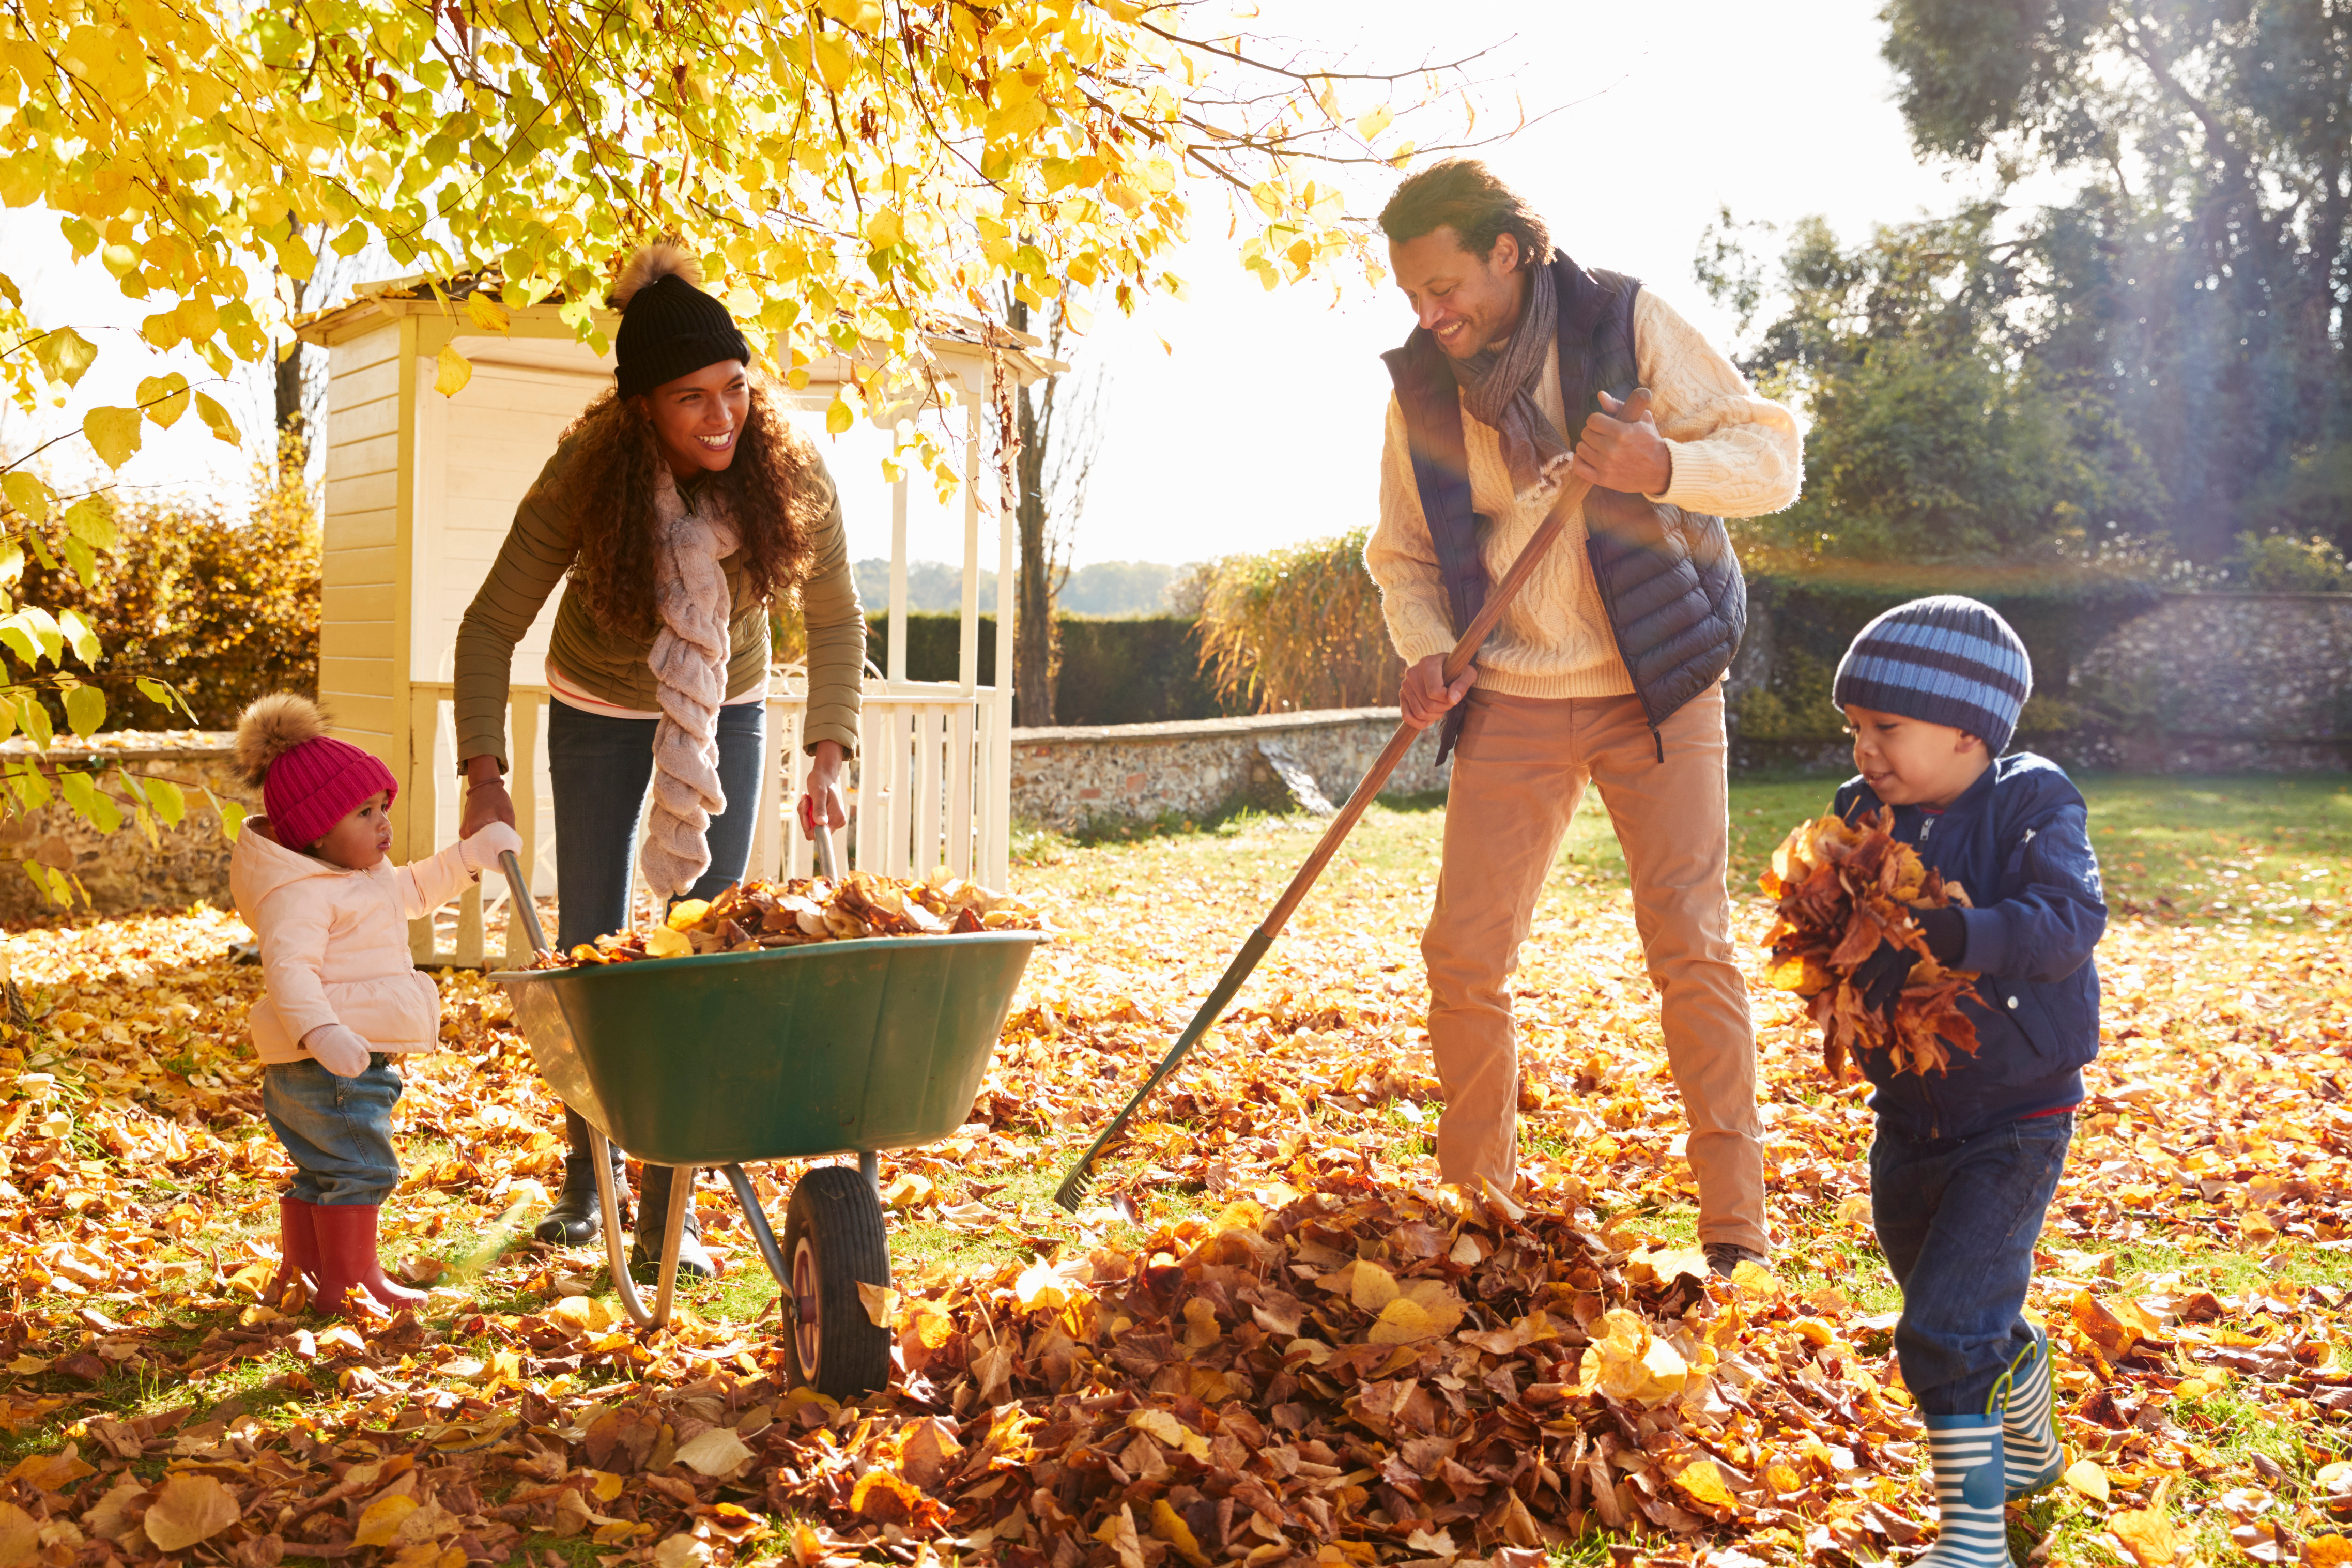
pixel 776 484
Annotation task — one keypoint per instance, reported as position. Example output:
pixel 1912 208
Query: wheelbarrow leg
pixel 770 1253
pixel 681 1194
pixel 869 1165
pixel 616 1245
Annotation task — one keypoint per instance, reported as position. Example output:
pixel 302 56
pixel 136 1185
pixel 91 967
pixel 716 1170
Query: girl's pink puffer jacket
pixel 334 944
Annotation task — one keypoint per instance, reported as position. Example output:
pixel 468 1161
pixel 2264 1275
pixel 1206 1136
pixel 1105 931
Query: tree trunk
pixel 1032 603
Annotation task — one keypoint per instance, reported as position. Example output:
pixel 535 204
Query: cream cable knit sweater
pixel 1735 455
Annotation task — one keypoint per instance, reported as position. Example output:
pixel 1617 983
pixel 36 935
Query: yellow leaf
pixel 53 1472
pixel 190 1508
pixel 485 313
pixel 2149 1533
pixel 216 420
pixel 881 1303
pixel 714 1451
pixel 663 942
pixel 1703 1481
pixel 1170 1526
pixel 20 1535
pixel 604 1484
pixel 1372 1287
pixel 451 371
pixel 1402 1322
pixel 1782 1480
pixel 381 1520
pixel 837 416
pixel 165 399
pixel 2326 1551
pixel 2089 1477
pixel 885 228
pixel 833 61
pixel 1374 120
pixel 113 433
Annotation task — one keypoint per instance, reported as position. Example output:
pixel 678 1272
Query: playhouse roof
pixel 376 304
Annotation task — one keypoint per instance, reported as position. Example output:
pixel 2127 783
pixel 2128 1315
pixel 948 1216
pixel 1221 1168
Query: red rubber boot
pixel 298 1249
pixel 347 1258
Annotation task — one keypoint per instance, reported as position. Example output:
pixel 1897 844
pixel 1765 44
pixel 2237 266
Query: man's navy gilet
pixel 1668 579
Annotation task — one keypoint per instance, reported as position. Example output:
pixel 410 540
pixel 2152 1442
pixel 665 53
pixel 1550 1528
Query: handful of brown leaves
pixel 1845 888
pixel 751 916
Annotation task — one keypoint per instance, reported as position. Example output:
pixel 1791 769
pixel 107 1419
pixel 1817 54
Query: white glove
pixel 340 1051
pixel 489 841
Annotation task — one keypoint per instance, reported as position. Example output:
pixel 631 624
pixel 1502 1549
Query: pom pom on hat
pixel 309 781
pixel 651 264
pixel 1946 659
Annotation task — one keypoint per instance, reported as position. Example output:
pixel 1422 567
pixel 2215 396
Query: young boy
pixel 1965 1163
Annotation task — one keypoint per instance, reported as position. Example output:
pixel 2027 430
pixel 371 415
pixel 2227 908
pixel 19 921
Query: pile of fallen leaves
pixel 1845 888
pixel 753 916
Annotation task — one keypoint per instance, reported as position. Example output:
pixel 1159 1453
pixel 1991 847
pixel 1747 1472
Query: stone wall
pixel 122 871
pixel 2220 683
pixel 1065 778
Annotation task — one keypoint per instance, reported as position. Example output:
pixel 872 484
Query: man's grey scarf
pixel 1498 389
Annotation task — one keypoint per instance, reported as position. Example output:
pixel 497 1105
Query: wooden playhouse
pixel 421 487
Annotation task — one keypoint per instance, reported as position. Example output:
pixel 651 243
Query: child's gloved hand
pixel 489 841
pixel 340 1051
pixel 1881 976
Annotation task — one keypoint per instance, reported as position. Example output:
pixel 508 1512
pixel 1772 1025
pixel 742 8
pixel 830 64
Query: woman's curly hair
pixel 776 484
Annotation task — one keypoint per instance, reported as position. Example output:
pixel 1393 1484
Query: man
pixel 1607 668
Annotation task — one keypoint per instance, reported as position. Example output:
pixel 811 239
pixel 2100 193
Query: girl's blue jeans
pixel 598 768
pixel 1958 1218
pixel 337 1131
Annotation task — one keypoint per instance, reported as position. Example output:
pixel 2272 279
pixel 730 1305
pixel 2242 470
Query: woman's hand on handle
pixel 487 800
pixel 823 791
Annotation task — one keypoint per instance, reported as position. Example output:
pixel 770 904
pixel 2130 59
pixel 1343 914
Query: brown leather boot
pixel 347 1258
pixel 298 1249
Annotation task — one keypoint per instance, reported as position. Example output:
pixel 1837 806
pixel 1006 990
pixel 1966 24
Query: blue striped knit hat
pixel 1941 660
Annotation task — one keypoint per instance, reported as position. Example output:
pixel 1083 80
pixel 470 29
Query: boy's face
pixel 1908 762
pixel 361 839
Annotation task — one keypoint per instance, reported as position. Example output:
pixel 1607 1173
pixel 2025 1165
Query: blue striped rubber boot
pixel 1974 1532
pixel 2032 1457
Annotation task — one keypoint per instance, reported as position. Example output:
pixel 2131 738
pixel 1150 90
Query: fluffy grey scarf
pixel 689 660
pixel 1499 389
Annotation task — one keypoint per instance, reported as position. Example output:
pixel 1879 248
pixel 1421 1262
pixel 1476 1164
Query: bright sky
pixel 1259 421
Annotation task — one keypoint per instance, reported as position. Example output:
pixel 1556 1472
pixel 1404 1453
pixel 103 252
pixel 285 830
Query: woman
pixel 682 503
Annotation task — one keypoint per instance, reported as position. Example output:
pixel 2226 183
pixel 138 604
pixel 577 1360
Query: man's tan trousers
pixel 1519 773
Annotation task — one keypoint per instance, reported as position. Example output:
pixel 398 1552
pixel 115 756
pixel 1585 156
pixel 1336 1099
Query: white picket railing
pixel 928 755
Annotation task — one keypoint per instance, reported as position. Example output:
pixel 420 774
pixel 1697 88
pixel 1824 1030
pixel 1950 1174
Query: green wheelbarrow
pixel 793 1053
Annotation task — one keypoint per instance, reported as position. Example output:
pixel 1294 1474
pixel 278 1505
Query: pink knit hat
pixel 309 781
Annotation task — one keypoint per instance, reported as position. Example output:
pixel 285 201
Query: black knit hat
pixel 1941 660
pixel 669 327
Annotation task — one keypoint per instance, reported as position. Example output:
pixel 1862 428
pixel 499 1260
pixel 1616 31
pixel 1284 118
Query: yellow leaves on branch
pixel 1845 888
pixel 829 168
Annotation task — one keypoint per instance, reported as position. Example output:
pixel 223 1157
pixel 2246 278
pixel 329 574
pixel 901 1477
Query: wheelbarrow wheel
pixel 835 1241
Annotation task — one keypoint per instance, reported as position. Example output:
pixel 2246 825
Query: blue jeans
pixel 1958 1218
pixel 598 768
pixel 337 1131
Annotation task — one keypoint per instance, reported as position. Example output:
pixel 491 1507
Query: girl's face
pixel 698 418
pixel 361 839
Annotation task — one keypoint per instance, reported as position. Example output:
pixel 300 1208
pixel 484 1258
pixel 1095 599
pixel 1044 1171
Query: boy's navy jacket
pixel 2019 840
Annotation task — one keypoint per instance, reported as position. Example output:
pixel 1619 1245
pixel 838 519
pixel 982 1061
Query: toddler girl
pixel 342 995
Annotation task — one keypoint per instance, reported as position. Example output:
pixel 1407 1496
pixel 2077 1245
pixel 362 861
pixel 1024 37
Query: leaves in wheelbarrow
pixel 753 916
pixel 1845 888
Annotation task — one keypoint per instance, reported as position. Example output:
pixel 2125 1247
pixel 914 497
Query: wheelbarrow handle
pixel 821 834
pixel 524 910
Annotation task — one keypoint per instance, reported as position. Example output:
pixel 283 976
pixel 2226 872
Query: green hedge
pixel 1805 622
pixel 1126 670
